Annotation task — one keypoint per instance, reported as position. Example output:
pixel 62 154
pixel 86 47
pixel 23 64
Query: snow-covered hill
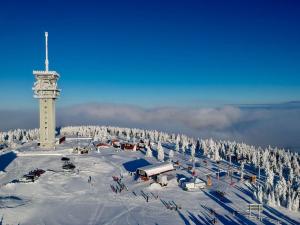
pixel 62 197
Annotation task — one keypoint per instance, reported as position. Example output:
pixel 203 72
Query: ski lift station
pixel 154 170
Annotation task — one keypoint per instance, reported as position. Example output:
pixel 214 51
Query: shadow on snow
pixel 6 159
pixel 132 166
pixel 241 218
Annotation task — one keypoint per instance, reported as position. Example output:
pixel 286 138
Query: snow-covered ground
pixel 60 197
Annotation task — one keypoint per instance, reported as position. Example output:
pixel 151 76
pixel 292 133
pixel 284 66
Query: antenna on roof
pixel 46 61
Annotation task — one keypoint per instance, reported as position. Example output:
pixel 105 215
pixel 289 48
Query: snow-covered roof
pixel 155 169
pixel 42 72
pixel 198 180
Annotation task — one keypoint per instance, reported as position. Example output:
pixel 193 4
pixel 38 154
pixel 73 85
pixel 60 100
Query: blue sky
pixel 153 53
pixel 222 69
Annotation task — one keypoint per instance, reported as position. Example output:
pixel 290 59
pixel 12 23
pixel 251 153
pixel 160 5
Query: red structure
pixel 115 143
pixel 102 145
pixel 127 146
pixel 62 140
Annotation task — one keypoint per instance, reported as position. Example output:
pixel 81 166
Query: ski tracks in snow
pixel 119 215
pixel 95 218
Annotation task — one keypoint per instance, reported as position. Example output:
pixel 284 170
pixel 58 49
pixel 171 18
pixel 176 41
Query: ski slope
pixel 60 197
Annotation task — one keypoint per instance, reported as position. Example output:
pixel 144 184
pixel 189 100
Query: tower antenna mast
pixel 46 61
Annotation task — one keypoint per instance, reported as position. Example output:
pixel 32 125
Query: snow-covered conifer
pixel 160 152
pixel 171 154
pixel 177 146
pixel 295 202
pixel 193 148
pixel 148 151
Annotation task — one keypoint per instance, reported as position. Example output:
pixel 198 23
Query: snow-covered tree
pixel 198 146
pixel 280 191
pixel 216 155
pixel 259 194
pixel 289 201
pixel 193 149
pixel 242 170
pixel 24 139
pixel 183 147
pixel 271 199
pixel 270 176
pixel 177 146
pixel 171 154
pixel 148 151
pixel 160 152
pixel 295 202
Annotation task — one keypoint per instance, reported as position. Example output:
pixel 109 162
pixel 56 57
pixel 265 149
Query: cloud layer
pixel 202 118
pixel 277 124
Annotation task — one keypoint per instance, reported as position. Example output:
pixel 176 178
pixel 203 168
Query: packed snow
pixel 103 188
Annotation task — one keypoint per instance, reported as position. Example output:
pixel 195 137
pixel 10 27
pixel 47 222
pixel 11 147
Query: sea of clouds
pixel 269 124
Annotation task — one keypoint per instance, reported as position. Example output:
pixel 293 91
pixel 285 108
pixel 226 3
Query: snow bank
pixel 172 183
pixel 2 173
pixel 9 186
pixel 154 186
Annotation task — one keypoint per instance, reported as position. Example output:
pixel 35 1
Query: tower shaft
pixel 47 123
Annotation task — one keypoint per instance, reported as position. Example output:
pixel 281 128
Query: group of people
pixel 119 187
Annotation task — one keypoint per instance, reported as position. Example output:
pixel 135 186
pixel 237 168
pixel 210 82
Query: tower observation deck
pixel 46 90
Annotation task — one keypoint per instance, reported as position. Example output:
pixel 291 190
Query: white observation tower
pixel 45 89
